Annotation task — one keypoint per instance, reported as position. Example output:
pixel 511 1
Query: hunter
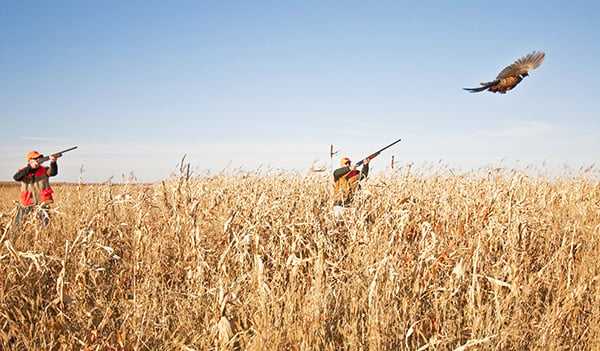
pixel 35 187
pixel 346 180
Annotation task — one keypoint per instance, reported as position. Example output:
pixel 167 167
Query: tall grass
pixel 490 260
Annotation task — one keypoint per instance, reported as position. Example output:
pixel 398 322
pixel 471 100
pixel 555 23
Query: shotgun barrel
pixel 375 154
pixel 57 154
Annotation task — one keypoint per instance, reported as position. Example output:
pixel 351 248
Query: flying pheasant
pixel 512 75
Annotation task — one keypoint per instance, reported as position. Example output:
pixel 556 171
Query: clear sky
pixel 270 85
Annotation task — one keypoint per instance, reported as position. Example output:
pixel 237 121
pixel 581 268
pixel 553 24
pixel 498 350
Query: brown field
pixel 496 260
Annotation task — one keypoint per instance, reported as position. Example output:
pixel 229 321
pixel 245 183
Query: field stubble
pixel 494 261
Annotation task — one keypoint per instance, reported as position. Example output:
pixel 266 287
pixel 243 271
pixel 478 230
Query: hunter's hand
pixel 53 158
pixel 366 161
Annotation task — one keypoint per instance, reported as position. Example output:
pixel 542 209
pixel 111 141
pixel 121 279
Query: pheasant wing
pixel 523 65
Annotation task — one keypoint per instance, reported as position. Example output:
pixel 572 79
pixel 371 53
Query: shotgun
pixel 375 154
pixel 58 154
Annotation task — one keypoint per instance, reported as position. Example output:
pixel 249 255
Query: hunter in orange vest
pixel 35 186
pixel 345 181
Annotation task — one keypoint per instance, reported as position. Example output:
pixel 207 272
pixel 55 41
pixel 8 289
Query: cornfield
pixel 495 259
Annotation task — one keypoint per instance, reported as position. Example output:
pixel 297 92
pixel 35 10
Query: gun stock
pixel 57 154
pixel 375 154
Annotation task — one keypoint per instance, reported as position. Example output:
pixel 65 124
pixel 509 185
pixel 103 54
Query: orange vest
pixel 35 188
pixel 344 188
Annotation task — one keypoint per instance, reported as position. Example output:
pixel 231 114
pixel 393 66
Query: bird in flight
pixel 512 75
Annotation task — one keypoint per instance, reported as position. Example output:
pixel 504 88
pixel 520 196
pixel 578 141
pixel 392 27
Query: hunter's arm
pixel 340 172
pixel 22 173
pixel 53 170
pixel 364 172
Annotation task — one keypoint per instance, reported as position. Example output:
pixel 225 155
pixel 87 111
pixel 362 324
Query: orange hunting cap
pixel 33 154
pixel 344 161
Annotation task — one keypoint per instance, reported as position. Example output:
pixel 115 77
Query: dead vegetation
pixel 490 261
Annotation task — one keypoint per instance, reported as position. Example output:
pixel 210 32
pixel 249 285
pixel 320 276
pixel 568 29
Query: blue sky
pixel 272 84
